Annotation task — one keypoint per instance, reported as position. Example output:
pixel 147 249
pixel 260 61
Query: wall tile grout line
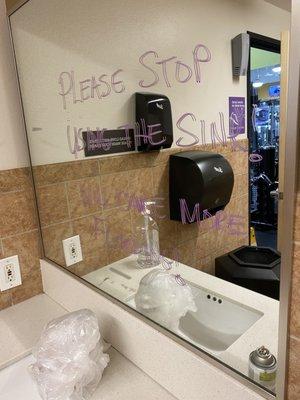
pixel 296 338
pixel 67 197
pixel 118 207
pixel 23 189
pixel 19 234
pixel 151 165
pixel 60 182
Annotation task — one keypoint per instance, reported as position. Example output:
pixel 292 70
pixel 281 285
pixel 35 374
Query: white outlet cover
pixel 72 250
pixel 10 263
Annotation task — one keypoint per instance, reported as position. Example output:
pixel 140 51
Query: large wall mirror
pixel 155 137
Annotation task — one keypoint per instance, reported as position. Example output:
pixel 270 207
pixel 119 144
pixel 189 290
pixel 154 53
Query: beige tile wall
pixel 294 354
pixel 19 233
pixel 92 197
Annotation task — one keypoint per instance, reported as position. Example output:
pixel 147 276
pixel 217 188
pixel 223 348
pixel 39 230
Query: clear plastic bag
pixel 70 357
pixel 164 298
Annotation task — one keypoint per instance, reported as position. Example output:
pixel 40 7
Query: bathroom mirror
pixel 155 142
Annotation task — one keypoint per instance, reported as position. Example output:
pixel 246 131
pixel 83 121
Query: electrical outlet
pixel 72 250
pixel 10 275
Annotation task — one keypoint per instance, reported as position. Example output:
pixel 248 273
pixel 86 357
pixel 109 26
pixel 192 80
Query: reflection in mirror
pixel 138 120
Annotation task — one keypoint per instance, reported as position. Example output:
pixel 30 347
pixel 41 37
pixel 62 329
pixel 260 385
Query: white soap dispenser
pixel 147 238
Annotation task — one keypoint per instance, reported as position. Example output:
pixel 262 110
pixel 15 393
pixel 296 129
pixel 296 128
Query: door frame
pixel 284 81
pixel 264 43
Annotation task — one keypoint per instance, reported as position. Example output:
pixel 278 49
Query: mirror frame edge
pixel 293 102
pixel 289 190
pixel 15 6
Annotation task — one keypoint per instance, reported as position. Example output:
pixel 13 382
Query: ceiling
pixel 284 4
pixel 262 58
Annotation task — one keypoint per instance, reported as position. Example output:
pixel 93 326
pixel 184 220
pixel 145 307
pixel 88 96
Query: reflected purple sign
pixel 237 116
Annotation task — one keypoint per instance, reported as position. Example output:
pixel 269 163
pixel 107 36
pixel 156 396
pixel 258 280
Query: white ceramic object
pixel 218 321
pixel 216 324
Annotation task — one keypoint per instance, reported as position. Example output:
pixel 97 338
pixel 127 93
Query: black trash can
pixel 255 268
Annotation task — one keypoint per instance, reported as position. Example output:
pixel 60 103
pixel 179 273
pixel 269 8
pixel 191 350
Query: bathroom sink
pixel 218 321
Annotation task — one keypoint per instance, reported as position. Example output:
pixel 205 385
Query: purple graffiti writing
pixel 92 197
pixel 78 91
pixel 214 132
pixel 166 263
pixel 74 91
pixel 183 72
pixel 179 279
pixel 147 133
pixel 254 158
pixel 144 131
pixel 95 139
pixel 129 244
pixel 217 133
pixel 222 220
pixel 77 134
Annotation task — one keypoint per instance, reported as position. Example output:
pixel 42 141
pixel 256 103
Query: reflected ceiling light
pixel 277 70
pixel 257 84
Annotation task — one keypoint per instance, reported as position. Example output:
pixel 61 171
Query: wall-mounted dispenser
pixel 240 46
pixel 154 117
pixel 199 182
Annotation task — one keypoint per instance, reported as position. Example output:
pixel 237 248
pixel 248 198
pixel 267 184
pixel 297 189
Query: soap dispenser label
pixel 101 142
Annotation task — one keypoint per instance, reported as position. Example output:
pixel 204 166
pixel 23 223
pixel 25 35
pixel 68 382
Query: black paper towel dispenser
pixel 198 181
pixel 153 114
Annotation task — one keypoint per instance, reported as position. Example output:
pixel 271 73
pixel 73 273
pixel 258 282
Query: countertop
pixel 20 328
pixel 124 281
pixel 121 380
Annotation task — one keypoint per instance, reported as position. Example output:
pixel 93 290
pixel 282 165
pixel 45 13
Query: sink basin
pixel 218 321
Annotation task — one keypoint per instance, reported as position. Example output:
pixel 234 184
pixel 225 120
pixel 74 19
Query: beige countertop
pixel 121 280
pixel 121 380
pixel 20 328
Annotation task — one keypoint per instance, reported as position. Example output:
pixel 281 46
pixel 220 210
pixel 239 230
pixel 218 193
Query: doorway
pixel 263 135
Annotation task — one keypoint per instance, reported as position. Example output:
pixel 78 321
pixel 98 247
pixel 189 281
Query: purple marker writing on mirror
pixel 73 90
pixel 91 197
pixel 183 71
pixel 221 221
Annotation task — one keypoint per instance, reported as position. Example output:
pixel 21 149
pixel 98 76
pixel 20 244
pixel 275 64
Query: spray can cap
pixel 263 358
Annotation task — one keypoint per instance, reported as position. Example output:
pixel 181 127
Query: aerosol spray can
pixel 263 367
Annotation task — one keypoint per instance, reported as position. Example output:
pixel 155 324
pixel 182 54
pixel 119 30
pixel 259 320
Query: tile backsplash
pixel 96 199
pixel 19 233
